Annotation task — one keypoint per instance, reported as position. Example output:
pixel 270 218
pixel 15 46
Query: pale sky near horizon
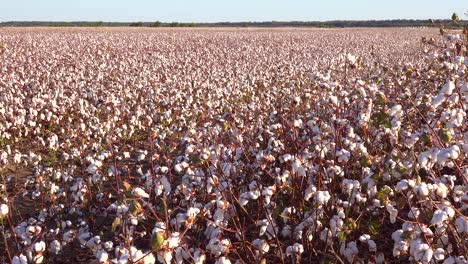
pixel 223 10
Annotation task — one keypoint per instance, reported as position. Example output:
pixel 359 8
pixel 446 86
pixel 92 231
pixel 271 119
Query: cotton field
pixel 233 146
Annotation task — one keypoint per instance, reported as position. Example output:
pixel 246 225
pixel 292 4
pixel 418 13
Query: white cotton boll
pixel 393 213
pixel 309 192
pixel 83 238
pixel 438 100
pixel 402 185
pixel 267 228
pixel 22 259
pixel 198 257
pixel 396 110
pixel 414 213
pixel 4 210
pixel 165 256
pixel 166 184
pixel 285 215
pixel 39 247
pixel 243 199
pixel 443 156
pixel 448 88
pixel 108 245
pixel 137 191
pixel 286 231
pixel 372 245
pixel 94 242
pixel 141 155
pixel 149 259
pixel 218 247
pixel 298 168
pixel 174 240
pixel 461 225
pixel 322 197
pixel 136 254
pixel 133 221
pixel 223 260
pixel 102 256
pixel 351 59
pixel 296 249
pixel 422 190
pixel 285 158
pixel 364 238
pixel 261 245
pixel 441 190
pixel 350 251
pixel 427 257
pixel 438 218
pixel 343 155
pixel 55 247
pixel 439 254
pixel 267 192
pixel 334 100
pixel 297 123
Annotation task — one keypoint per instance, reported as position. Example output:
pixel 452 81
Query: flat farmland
pixel 233 145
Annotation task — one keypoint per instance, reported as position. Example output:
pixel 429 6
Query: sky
pixel 224 10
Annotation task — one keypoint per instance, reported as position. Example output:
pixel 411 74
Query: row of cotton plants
pixel 233 146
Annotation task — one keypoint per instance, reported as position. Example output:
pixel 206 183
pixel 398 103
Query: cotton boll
pixel 4 210
pixel 439 254
pixel 296 249
pixel 309 192
pixel 108 245
pixel 461 225
pixel 422 190
pixel 39 247
pixel 322 197
pixel 21 259
pixel 137 191
pixel 402 185
pixel 223 260
pixel 372 245
pixel 102 256
pixel 439 217
pixel 448 88
pixel 261 245
pixel 393 213
pixel 441 190
pixel 55 247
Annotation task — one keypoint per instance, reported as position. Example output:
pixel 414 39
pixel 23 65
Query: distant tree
pixel 455 17
pixel 137 24
pixel 156 24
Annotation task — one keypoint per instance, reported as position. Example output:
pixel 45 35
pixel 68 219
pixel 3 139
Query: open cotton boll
pixel 261 245
pixel 137 191
pixel 102 256
pixel 55 247
pixel 351 59
pixel 461 225
pixel 322 197
pixel 4 210
pixel 223 260
pixel 439 217
pixel 393 213
pixel 446 154
pixel 448 88
pixel 296 249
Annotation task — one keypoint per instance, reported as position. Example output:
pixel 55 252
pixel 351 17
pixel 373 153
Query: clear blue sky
pixel 224 10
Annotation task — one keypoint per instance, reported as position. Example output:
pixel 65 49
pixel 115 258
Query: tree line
pixel 327 24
